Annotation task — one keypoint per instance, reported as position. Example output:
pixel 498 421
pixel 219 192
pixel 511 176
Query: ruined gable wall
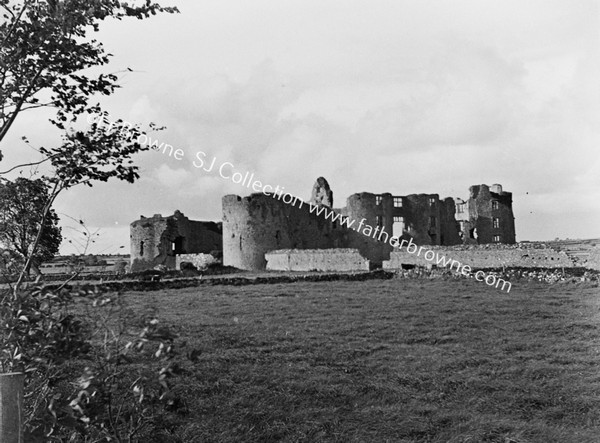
pixel 322 193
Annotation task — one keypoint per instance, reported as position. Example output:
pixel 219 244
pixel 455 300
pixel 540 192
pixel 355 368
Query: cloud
pixel 172 178
pixel 396 96
pixel 468 95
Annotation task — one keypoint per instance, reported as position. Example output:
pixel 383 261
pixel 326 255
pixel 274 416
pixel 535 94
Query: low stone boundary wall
pixel 191 282
pixel 200 261
pixel 481 257
pixel 327 260
pixel 515 274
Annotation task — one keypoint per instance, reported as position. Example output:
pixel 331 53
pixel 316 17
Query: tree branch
pixel 15 21
pixel 19 104
pixel 55 191
pixel 26 164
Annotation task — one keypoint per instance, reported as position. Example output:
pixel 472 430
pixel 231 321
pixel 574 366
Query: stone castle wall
pixel 450 228
pixel 148 237
pixel 425 218
pixel 200 261
pixel 340 260
pixel 157 240
pixel 259 223
pixel 484 256
pixel 485 205
pixel 364 206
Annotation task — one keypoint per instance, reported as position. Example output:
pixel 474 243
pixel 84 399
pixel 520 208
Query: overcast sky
pixel 379 96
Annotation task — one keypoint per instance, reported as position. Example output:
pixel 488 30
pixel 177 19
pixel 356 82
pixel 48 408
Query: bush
pixel 84 380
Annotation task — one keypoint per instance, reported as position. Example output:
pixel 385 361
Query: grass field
pixel 395 360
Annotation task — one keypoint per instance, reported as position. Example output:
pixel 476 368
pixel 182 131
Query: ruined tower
pixel 157 240
pixel 487 216
pixel 262 222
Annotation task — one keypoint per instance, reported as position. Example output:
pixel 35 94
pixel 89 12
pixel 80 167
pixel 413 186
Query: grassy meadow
pixel 383 361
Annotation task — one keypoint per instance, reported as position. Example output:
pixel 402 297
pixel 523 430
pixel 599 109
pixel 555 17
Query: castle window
pixel 496 239
pixel 141 248
pixel 432 222
pixel 431 201
pixel 378 199
pixel 397 202
pixel 379 221
pixel 460 208
pixel 496 223
pixel 177 246
pixel 398 227
pixel 494 204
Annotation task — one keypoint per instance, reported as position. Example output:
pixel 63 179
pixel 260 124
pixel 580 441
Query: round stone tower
pixel 148 241
pixel 260 223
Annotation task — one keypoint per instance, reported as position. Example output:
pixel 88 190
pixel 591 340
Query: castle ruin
pixel 158 240
pixel 263 222
pixel 259 223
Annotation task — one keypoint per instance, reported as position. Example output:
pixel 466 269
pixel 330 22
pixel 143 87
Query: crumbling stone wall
pixel 592 261
pixel 487 216
pixel 585 253
pixel 449 226
pixel 259 223
pixel 157 240
pixel 322 195
pixel 340 260
pixel 427 220
pixel 364 207
pixel 200 261
pixel 148 241
pixel 423 214
pixel 484 256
